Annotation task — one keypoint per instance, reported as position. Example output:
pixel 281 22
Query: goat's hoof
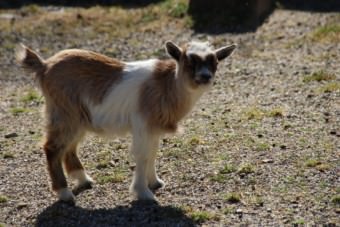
pixel 66 196
pixel 157 185
pixel 145 194
pixel 82 187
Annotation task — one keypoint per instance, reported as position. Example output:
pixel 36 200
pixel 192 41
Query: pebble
pixel 11 135
pixel 22 205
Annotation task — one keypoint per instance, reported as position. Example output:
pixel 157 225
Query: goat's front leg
pixel 142 147
pixel 153 180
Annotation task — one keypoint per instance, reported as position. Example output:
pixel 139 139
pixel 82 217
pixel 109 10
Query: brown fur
pixel 71 160
pixel 162 101
pixel 67 79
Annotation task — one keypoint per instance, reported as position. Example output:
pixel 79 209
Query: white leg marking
pixel 153 181
pixel 81 177
pixel 66 195
pixel 141 149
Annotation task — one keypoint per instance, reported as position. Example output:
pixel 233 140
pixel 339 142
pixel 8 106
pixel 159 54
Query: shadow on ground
pixel 79 3
pixel 135 214
pixel 215 16
pixel 311 5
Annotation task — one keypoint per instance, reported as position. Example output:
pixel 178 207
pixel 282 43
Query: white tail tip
pixel 20 52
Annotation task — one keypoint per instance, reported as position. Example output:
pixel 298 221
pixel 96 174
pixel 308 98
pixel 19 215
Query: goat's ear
pixel 224 52
pixel 173 50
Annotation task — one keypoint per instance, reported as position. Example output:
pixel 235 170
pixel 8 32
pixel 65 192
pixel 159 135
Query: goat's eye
pixel 212 62
pixel 194 60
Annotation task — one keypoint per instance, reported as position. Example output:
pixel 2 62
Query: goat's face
pixel 197 61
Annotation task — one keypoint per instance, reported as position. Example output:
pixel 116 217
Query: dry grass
pixel 319 76
pixel 327 33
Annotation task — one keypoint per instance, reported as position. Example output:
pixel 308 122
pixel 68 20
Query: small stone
pixel 283 147
pixel 112 163
pixel 259 135
pixel 239 211
pixel 310 96
pixel 11 135
pixel 269 210
pixel 332 132
pixel 327 114
pixel 267 160
pixel 132 167
pixel 22 205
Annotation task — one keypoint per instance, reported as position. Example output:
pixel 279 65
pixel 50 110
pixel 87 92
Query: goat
pixel 86 91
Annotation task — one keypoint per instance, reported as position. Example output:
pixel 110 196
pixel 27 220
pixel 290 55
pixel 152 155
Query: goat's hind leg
pixel 76 171
pixel 54 148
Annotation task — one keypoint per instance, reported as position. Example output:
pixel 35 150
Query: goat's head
pixel 197 61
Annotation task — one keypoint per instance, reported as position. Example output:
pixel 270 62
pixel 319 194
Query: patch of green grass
pixel 258 201
pixel 222 175
pixel 232 197
pixel 114 21
pixel 336 200
pixel 102 165
pixel 149 16
pixel 262 146
pixel 257 113
pixel 298 221
pixel 327 33
pixel 246 168
pixel 323 167
pixel 318 76
pixel 330 87
pixel 317 164
pixel 31 9
pixel 30 96
pixel 115 177
pixel 3 199
pixel 176 9
pixel 202 216
pixel 228 210
pixel 18 110
pixel 220 178
pixel 254 113
pixel 254 125
pixel 313 162
pixel 194 141
pixel 275 112
pixel 228 168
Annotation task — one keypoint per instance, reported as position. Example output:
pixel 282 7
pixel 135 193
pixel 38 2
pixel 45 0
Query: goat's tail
pixel 29 59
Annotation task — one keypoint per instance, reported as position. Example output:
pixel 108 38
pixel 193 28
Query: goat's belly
pixel 114 125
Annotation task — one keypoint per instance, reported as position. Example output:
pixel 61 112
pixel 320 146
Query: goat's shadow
pixel 138 213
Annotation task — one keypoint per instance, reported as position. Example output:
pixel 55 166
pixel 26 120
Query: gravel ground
pixel 261 149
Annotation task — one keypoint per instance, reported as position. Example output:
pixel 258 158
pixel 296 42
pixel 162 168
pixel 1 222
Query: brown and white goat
pixel 87 91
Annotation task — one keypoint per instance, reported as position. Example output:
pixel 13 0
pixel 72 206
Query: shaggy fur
pixel 87 91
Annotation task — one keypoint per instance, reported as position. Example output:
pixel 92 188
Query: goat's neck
pixel 184 88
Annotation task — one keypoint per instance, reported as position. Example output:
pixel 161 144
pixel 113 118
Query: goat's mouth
pixel 202 81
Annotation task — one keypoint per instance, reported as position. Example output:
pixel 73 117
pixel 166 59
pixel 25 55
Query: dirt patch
pixel 260 149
